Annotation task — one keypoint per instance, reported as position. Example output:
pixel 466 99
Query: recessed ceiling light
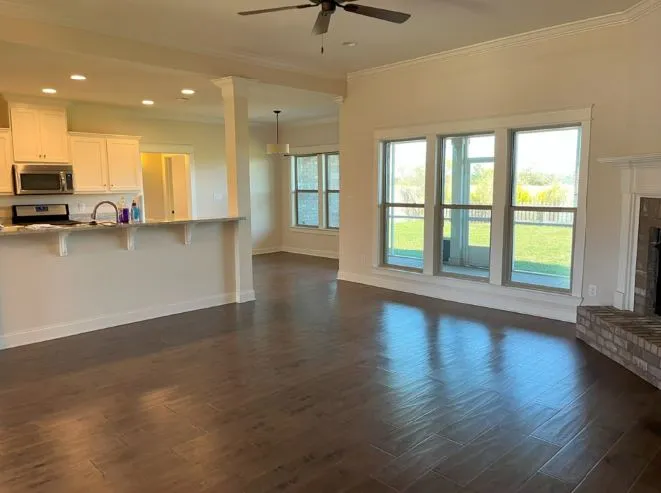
pixel 147 102
pixel 49 90
pixel 78 77
pixel 187 92
pixel 351 44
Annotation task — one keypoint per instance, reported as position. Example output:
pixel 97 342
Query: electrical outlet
pixel 218 196
pixel 592 290
pixel 80 206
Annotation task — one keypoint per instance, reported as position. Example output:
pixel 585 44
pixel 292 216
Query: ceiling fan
pixel 328 8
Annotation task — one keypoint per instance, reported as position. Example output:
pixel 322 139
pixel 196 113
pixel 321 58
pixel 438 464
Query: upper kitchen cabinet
pixel 89 158
pixel 39 133
pixel 5 162
pixel 105 163
pixel 124 166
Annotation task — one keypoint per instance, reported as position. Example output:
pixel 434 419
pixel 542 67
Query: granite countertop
pixel 103 225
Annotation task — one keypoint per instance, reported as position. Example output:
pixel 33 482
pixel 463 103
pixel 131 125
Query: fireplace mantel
pixel 640 176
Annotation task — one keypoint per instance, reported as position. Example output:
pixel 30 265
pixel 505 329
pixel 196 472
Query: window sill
pixel 314 231
pixel 528 301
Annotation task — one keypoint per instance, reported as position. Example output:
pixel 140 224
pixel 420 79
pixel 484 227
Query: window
pixel 543 207
pixel 467 166
pixel 333 191
pixel 316 191
pixel 403 203
pixel 496 202
pixel 306 178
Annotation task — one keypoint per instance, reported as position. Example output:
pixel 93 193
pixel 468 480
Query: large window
pixel 467 166
pixel 316 191
pixel 544 201
pixel 404 203
pixel 498 200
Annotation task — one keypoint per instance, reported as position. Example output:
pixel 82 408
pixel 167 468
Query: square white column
pixel 237 152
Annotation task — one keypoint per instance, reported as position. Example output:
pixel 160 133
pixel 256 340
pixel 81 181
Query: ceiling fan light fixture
pixel 277 148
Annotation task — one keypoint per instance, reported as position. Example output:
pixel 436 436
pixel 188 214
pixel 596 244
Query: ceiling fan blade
pixel 383 14
pixel 278 9
pixel 322 23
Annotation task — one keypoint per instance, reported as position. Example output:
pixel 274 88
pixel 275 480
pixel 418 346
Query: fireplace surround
pixel 630 331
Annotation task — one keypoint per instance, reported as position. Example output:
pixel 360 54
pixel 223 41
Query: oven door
pixel 34 179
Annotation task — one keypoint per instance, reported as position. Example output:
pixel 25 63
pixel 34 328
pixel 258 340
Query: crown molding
pixel 632 14
pixel 639 161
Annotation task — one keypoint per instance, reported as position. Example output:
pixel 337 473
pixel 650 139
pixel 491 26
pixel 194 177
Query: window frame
pixel 328 191
pixel 440 206
pixel 511 210
pixel 544 301
pixel 385 206
pixel 298 191
pixel 321 191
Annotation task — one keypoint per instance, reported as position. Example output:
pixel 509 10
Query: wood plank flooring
pixel 325 386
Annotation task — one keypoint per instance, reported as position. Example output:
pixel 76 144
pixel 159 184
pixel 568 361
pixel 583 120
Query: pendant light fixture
pixel 277 148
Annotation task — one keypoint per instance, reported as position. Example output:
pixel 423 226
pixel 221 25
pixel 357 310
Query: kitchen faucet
pixel 96 208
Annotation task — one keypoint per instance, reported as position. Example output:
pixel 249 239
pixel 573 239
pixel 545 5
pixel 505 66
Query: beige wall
pixel 308 137
pixel 208 142
pixel 616 69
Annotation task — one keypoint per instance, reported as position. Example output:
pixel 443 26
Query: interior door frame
pixel 168 184
pixel 188 151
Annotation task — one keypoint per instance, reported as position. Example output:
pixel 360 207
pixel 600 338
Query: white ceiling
pixel 123 83
pixel 212 26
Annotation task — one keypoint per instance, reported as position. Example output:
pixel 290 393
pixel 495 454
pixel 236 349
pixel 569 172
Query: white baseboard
pixel 312 253
pixel 526 301
pixel 245 296
pixel 266 250
pixel 112 320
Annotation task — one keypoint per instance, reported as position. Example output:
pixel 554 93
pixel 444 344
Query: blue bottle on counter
pixel 135 212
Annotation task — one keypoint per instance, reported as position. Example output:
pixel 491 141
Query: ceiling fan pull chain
pixel 323 37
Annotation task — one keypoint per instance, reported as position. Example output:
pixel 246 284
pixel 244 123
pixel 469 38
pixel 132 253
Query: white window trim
pixel 449 287
pixel 322 229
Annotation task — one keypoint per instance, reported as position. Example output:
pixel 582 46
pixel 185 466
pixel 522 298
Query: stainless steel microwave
pixel 43 179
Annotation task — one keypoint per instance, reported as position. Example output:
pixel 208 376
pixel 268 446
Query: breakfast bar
pixel 66 280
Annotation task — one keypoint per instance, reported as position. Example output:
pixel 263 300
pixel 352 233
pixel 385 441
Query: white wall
pixel 323 136
pixel 617 69
pixel 100 284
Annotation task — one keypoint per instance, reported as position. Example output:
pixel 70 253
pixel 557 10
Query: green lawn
pixel 537 248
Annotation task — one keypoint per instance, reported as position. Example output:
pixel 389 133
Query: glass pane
pixel 466 242
pixel 333 165
pixel 546 167
pixel 307 173
pixel 307 213
pixel 468 170
pixel 542 248
pixel 405 172
pixel 404 236
pixel 333 209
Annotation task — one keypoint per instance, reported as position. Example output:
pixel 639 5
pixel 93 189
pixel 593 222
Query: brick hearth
pixel 632 340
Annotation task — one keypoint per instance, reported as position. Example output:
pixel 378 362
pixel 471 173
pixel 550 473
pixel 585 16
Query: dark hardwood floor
pixel 322 386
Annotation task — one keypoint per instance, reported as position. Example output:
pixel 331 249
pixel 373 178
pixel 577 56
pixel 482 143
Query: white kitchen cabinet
pixel 89 158
pixel 105 163
pixel 53 132
pixel 39 134
pixel 5 162
pixel 124 167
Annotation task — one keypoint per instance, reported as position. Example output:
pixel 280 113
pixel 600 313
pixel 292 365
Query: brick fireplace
pixel 647 258
pixel 630 331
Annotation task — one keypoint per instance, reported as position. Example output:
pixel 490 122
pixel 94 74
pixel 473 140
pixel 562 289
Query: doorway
pixel 166 182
